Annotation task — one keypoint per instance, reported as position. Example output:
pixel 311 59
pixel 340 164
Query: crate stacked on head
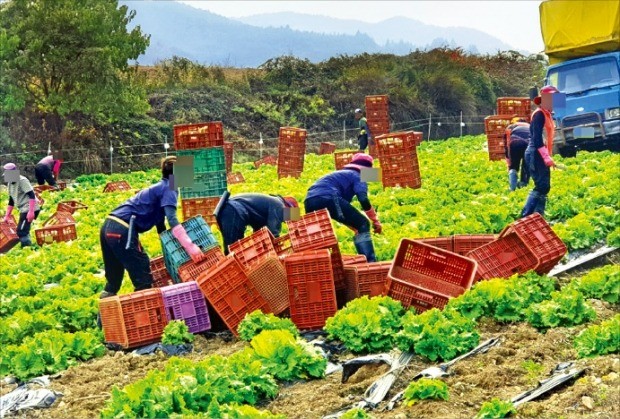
pixel 291 151
pixel 399 159
pixel 204 143
pixel 377 117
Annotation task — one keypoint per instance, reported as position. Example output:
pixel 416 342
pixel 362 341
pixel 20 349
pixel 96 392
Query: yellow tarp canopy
pixel 573 28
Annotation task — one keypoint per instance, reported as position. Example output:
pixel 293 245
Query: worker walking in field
pixel 120 245
pixel 363 137
pixel 335 191
pixel 253 210
pixel 47 170
pixel 516 140
pixel 537 154
pixel 21 195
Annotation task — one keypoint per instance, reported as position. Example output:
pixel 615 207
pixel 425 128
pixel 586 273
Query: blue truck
pixel 582 41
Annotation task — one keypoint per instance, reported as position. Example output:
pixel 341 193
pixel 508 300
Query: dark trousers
pixel 117 259
pixel 517 155
pixel 341 211
pixel 541 175
pixel 362 140
pixel 43 173
pixel 231 225
pixel 23 228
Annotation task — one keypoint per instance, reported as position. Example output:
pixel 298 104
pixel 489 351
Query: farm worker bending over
pixel 21 195
pixel 47 170
pixel 364 134
pixel 335 191
pixel 139 214
pixel 537 156
pixel 254 210
pixel 516 140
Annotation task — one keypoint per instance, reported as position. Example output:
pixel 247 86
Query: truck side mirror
pixel 533 92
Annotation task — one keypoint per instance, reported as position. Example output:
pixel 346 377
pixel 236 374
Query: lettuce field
pixel 49 303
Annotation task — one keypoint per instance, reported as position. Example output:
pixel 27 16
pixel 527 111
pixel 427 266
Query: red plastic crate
pixel 312 295
pixel 542 241
pixel 327 148
pixel 186 302
pixel 375 113
pixel 228 155
pixel 377 101
pixel 504 257
pixel 121 185
pixel 59 217
pixel 366 279
pixel 343 158
pixel 200 206
pixel 337 266
pixel 377 128
pixel 312 231
pixel 463 243
pixel 62 185
pixel 418 137
pixel 289 173
pixel 293 133
pixel 8 235
pixel 70 206
pixel 231 293
pixel 431 269
pixel 269 278
pixel 189 271
pixel 496 124
pixel 271 160
pixel 252 250
pixel 412 296
pixel 161 276
pixel 43 188
pixel 202 135
pixel 135 319
pixel 55 233
pixel 396 143
pixel 282 245
pixel 395 166
pixel 232 178
pixel 520 106
pixel 445 243
pixel 353 259
pixel 411 180
pixel 39 200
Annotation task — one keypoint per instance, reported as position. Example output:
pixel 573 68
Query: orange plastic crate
pixel 366 279
pixel 59 217
pixel 231 293
pixel 377 113
pixel 228 155
pixel 70 206
pixel 411 180
pixel 312 295
pixel 282 245
pixel 200 206
pixel 496 124
pixel 43 188
pixel 201 135
pixel 292 133
pixel 135 319
pixel 396 143
pixel 161 276
pixel 327 148
pixel 520 106
pixel 271 160
pixel 312 231
pixel 55 233
pixel 463 243
pixel 343 158
pixel 377 101
pixel 121 185
pixel 542 241
pixel 189 271
pixel 445 243
pixel 252 250
pixel 8 235
pixel 353 259
pixel 269 278
pixel 411 296
pixel 232 178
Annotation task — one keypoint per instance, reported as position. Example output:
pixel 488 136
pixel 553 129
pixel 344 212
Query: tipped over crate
pixel 311 291
pixel 8 235
pixel 135 319
pixel 190 270
pixel 236 177
pixel 186 302
pixel 231 293
pixel 70 206
pixel 59 217
pixel 425 276
pixel 55 233
pixel 282 245
pixel 44 188
pixel 366 279
pixel 269 278
pixel 270 160
pixel 327 148
pixel 250 251
pixel 353 259
pixel 121 185
pixel 312 231
pixel 161 277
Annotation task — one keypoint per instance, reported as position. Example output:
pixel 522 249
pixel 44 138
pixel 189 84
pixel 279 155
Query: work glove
pixel 7 217
pixel 544 153
pixel 30 215
pixel 192 250
pixel 376 225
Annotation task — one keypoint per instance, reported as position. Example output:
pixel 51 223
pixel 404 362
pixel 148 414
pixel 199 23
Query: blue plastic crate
pixel 175 255
pixel 211 184
pixel 206 159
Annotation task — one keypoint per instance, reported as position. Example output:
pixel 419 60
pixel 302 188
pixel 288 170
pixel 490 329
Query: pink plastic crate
pixel 186 302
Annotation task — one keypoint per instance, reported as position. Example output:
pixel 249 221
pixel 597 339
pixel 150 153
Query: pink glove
pixel 56 169
pixel 376 225
pixel 544 153
pixel 9 210
pixel 192 250
pixel 30 214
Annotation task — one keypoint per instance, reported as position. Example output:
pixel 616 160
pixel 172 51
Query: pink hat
pixel 9 166
pixel 360 161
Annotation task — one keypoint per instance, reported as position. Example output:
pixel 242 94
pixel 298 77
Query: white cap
pixel 358 110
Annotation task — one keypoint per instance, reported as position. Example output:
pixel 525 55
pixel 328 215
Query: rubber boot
pixel 530 204
pixel 512 179
pixel 541 203
pixel 25 241
pixel 363 245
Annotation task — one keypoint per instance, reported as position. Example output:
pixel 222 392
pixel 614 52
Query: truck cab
pixel 591 118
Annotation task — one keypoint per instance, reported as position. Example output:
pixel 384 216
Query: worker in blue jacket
pixel 336 190
pixel 516 140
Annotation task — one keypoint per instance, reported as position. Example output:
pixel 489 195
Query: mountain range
pixel 180 30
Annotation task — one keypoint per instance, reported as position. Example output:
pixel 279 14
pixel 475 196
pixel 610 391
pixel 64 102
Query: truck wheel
pixel 568 151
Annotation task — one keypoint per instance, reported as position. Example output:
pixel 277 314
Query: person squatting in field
pixel 254 210
pixel 516 140
pixel 120 244
pixel 21 195
pixel 47 170
pixel 537 156
pixel 335 191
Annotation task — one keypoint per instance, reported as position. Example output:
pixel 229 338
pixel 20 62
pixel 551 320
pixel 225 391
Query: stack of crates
pixel 228 154
pixel 342 158
pixel 377 117
pixel 518 106
pixel 399 159
pixel 495 129
pixel 291 151
pixel 204 142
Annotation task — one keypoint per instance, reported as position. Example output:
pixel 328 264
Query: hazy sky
pixel 514 22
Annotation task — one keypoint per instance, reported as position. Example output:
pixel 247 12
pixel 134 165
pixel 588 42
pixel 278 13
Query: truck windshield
pixel 591 74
